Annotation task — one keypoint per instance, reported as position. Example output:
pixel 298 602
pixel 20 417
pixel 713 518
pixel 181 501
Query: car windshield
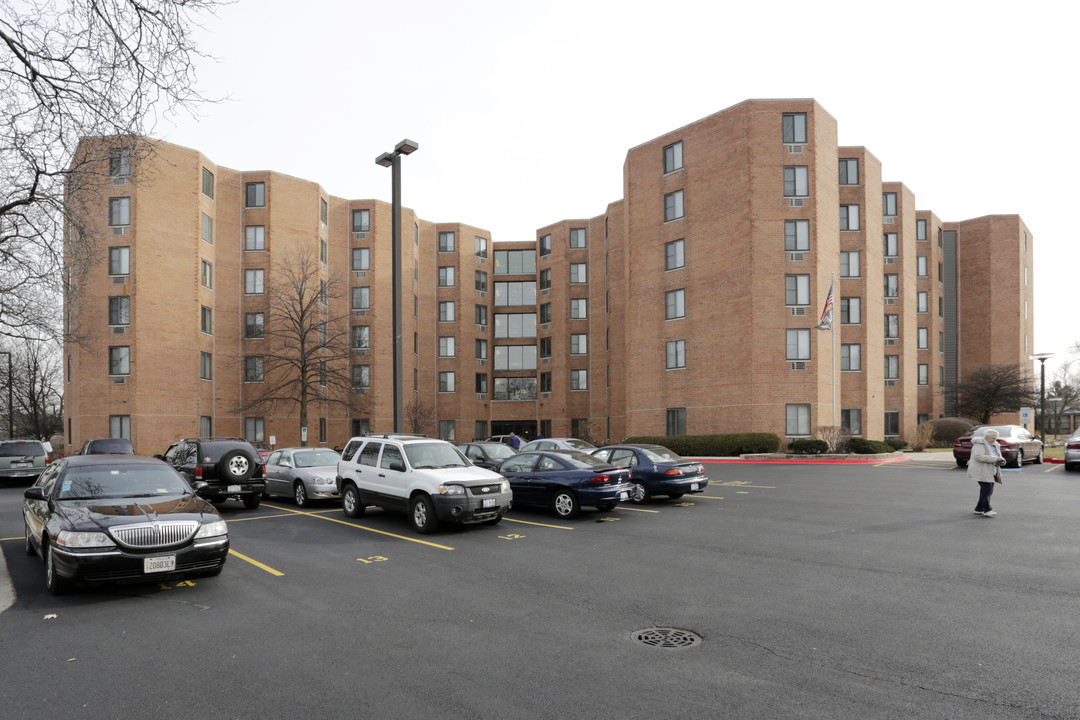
pixel 579 444
pixel 114 446
pixel 21 449
pixel 500 451
pixel 315 458
pixel 1002 430
pixel 120 481
pixel 434 455
pixel 582 460
pixel 661 454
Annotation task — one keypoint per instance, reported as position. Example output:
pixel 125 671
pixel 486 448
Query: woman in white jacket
pixel 983 466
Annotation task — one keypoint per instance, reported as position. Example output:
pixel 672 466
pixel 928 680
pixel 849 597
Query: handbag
pixel 997 476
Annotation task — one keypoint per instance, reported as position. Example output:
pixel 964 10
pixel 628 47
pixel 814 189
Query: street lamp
pixel 10 402
pixel 1042 358
pixel 393 160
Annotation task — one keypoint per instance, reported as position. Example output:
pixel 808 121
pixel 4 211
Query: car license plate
pixel 490 502
pixel 693 486
pixel 159 564
pixel 20 464
pixel 234 488
pixel 624 495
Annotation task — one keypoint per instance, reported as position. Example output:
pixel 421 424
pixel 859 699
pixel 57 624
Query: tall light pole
pixel 1042 358
pixel 10 402
pixel 393 160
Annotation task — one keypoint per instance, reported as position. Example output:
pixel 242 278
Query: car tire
pixel 236 465
pixel 422 515
pixel 1019 462
pixel 350 502
pixel 29 547
pixel 252 500
pixel 564 504
pixel 675 496
pixel 55 584
pixel 300 494
pixel 1069 467
pixel 605 507
pixel 493 521
pixel 640 493
pixel 1039 457
pixel 961 463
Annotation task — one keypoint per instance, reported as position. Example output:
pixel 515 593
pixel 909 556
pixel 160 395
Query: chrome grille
pixel 491 488
pixel 158 534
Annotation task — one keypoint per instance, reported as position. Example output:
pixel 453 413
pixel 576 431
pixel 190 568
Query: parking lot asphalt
pixel 867 591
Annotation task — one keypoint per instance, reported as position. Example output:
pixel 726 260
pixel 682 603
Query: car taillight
pixel 1004 443
pixel 1072 446
pixel 958 443
pixel 261 472
pixel 47 461
pixel 675 471
pixel 198 471
pixel 600 478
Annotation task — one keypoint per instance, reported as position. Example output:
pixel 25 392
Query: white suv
pixel 429 479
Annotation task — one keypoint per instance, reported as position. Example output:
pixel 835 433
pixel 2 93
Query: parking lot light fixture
pixel 1042 358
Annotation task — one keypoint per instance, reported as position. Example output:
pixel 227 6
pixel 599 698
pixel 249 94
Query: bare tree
pixel 993 389
pixel 835 435
pixel 1065 389
pixel 307 355
pixel 420 415
pixel 37 408
pixel 68 71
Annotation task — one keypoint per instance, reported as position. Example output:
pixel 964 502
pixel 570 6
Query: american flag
pixel 827 313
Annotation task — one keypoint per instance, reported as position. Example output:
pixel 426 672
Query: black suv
pixel 220 468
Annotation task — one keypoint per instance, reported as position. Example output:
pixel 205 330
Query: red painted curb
pixel 1056 461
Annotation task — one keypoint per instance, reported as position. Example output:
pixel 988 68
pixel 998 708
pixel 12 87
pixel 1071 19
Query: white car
pixel 1072 452
pixel 429 479
pixel 558 444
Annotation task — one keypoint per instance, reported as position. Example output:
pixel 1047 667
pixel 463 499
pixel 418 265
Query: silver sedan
pixel 305 474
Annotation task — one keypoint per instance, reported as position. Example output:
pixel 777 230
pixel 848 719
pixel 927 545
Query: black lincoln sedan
pixel 101 518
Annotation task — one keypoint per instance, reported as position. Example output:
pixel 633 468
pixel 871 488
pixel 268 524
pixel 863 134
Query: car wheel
pixel 350 502
pixel 252 500
pixel 1069 467
pixel 1039 457
pixel 29 547
pixel 604 507
pixel 53 582
pixel 640 493
pixel 300 494
pixel 565 504
pixel 1019 459
pixel 422 514
pixel 675 496
pixel 236 465
pixel 961 463
pixel 493 521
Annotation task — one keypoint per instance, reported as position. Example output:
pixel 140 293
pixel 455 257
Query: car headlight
pixel 212 529
pixel 324 480
pixel 451 490
pixel 505 486
pixel 84 539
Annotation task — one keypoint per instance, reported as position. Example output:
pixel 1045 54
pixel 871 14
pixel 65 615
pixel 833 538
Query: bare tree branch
pixel 994 389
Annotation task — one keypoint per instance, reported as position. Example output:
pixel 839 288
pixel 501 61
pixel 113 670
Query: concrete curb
pixel 788 458
pixel 7 590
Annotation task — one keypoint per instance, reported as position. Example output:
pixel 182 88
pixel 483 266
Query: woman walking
pixel 983 466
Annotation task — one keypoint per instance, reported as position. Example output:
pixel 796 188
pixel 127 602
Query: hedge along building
pixel 688 307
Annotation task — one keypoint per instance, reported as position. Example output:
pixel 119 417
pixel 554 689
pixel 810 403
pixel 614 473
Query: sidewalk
pixel 7 590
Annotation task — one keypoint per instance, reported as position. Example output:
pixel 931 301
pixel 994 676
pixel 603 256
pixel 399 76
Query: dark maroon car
pixel 1018 446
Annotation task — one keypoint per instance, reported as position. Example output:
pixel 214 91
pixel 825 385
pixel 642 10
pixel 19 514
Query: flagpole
pixel 832 329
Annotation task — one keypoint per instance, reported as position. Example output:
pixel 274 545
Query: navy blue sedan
pixel 655 470
pixel 564 481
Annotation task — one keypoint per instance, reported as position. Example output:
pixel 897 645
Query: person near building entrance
pixel 984 466
pixel 515 441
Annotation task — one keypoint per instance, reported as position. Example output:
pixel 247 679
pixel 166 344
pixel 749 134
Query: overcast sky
pixel 524 111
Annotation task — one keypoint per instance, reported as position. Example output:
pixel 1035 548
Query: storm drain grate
pixel 666 637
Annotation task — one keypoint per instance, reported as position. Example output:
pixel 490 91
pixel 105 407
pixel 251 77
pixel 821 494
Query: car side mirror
pixel 397 466
pixel 160 457
pixel 34 493
pixel 77 452
pixel 200 486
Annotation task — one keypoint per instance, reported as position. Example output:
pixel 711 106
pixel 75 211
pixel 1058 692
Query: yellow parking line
pixel 260 517
pixel 1052 468
pixel 256 563
pixel 361 527
pixel 707 497
pixel 636 509
pixel 526 522
pixel 14 538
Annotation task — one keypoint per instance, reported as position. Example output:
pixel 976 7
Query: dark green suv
pixel 220 468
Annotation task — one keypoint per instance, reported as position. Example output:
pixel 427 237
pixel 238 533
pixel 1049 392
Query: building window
pixel 120 426
pixel 255 195
pixel 892 285
pixel 924 374
pixel 545 382
pixel 253 325
pixel 480 315
pixel 849 263
pixel 674 255
pixel 545 347
pixel 892 423
pixel 798 344
pixel 941 376
pixel 676 421
pixel 890 245
pixel 120 166
pixel 323 211
pixel 796 235
pixel 676 354
pixel 518 388
pixel 446 276
pixel 892 367
pixel 851 357
pixel 579 344
pixel 446 242
pixel 361 220
pixel 119 260
pixel 509 294
pixel 579 273
pixel 516 325
pixel 208 183
pixel 207 275
pixel 206 366
pixel 850 311
pixel 888 204
pixel 120 360
pixel 849 171
pixel 361 337
pixel 254 237
pixel 515 357
pixel 361 259
pixel 481 247
pixel 545 245
pixel 545 279
pixel 674 304
pixel 851 420
pixel 446 347
pixel 796 181
pixel 924 338
pixel 892 326
pixel 849 217
pixel 796 290
pixel 322 252
pixel 579 380
pixel 206 426
pixel 545 313
pixel 921 266
pixel 119 212
pixel 446 311
pixel 361 298
pixel 253 429
pixel 253 281
pixel 920 230
pixel 447 431
pixel 481 349
pixel 673 157
pixel 515 262
pixel 480 281
pixel 446 381
pixel 579 308
pixel 673 206
pixel 798 420
pixel 577 238
pixel 481 382
pixel 253 369
pixel 922 303
pixel 207 321
pixel 207 229
pixel 120 310
pixel 795 128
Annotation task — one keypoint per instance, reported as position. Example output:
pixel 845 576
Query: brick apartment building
pixel 688 307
